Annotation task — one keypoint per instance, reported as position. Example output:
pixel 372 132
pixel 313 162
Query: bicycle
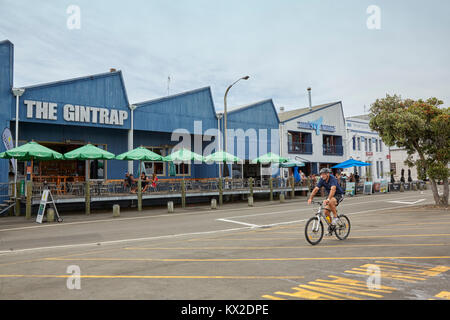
pixel 341 230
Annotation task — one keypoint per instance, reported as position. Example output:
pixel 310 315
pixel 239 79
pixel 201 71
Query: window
pixel 299 142
pixel 368 171
pixel 332 145
pixel 378 169
pixel 370 143
pixel 381 169
pixel 366 145
pixel 151 167
pixel 354 143
pixel 381 145
pixel 359 144
pixel 376 145
pixel 182 169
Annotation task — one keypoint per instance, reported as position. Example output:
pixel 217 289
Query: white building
pixel 365 145
pixel 314 135
pixel 398 157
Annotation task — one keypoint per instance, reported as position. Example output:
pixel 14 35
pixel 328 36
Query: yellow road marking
pixel 271 297
pixel 291 247
pixel 386 274
pixel 443 295
pixel 242 259
pixel 300 237
pixel 401 264
pixel 146 277
pixel 354 230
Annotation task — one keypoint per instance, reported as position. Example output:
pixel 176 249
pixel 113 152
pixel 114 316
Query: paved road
pixel 398 249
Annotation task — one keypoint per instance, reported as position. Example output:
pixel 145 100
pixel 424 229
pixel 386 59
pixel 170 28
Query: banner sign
pixel 42 205
pixel 368 187
pixel 359 188
pixel 376 187
pixel 384 186
pixel 8 142
pixel 350 188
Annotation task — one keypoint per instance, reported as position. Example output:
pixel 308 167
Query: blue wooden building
pixel 64 115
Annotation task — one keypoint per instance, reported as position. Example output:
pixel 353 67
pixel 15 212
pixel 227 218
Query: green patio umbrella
pixel 183 155
pixel 269 158
pixel 31 151
pixel 223 157
pixel 292 163
pixel 141 154
pixel 89 152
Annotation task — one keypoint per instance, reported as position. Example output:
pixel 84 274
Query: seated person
pixel 145 182
pixel 130 182
pixel 154 180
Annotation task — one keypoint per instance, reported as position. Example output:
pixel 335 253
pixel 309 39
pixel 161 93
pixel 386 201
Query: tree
pixel 422 128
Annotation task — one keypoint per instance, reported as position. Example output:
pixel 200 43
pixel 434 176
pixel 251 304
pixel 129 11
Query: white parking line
pixel 303 220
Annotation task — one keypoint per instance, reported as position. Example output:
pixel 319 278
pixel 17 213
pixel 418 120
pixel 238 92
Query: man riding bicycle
pixel 334 190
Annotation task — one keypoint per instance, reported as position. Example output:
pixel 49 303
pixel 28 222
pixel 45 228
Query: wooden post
pixel 87 194
pixel 250 185
pixel 271 188
pixel 139 194
pixel 220 192
pixel 183 194
pixel 170 207
pixel 213 203
pixel 29 196
pixel 116 211
pixel 293 187
pixel 17 199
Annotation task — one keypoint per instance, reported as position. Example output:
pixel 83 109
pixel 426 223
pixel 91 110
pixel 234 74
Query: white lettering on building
pixel 75 113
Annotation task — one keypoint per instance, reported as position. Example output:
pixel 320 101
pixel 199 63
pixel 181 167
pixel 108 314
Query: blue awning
pixel 350 163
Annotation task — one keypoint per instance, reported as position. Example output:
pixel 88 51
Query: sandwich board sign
pixel 44 201
pixel 368 187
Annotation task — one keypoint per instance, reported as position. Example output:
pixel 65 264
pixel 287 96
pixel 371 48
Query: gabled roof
pixel 365 117
pixel 291 114
pixel 237 109
pixel 90 77
pixel 173 96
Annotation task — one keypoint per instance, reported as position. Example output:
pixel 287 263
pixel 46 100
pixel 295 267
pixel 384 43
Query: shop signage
pixel 75 113
pixel 368 187
pixel 369 154
pixel 42 206
pixel 384 186
pixel 350 188
pixel 316 125
pixel 8 142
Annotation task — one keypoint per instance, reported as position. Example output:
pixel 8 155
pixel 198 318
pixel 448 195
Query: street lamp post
pixel 219 116
pixel 131 137
pixel 225 112
pixel 17 93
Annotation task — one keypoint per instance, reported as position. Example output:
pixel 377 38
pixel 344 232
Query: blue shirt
pixel 332 181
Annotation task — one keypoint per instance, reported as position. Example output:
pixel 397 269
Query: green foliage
pixel 421 127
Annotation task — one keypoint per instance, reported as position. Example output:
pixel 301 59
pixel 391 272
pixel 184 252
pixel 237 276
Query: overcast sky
pixel 284 46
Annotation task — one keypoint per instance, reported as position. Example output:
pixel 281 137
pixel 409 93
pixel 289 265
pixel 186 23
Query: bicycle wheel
pixel 314 231
pixel 343 229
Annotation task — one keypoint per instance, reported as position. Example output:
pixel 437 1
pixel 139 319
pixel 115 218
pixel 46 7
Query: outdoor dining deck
pixel 115 190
